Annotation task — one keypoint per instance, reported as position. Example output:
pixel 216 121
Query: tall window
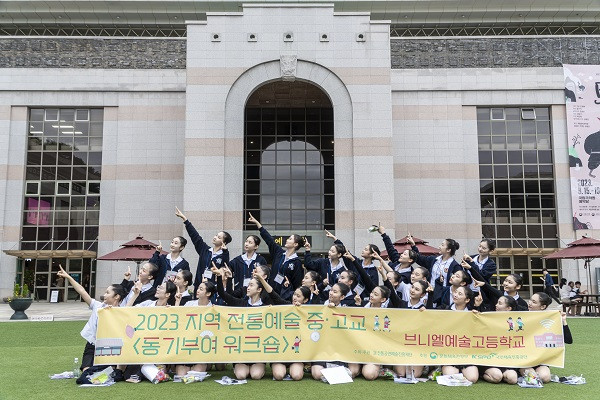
pixel 517 187
pixel 288 158
pixel 62 189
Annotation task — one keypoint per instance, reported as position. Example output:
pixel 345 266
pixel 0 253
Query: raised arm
pixel 137 289
pixel 389 246
pixel 197 240
pixel 78 288
pixel 364 277
pixel 227 298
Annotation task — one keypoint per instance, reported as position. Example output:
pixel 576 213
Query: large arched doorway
pixel 288 159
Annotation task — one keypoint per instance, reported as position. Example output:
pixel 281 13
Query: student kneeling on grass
pixel 113 295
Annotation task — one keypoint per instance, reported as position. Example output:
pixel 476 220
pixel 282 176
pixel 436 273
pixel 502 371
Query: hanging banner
pixel 582 96
pixel 170 335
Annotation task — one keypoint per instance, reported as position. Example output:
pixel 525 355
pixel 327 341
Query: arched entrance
pixel 288 159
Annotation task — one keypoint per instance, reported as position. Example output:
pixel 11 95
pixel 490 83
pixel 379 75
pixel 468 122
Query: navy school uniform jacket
pixel 371 272
pixel 323 267
pixel 164 265
pixel 428 262
pixel 366 280
pixel 204 251
pixel 394 257
pixel 242 271
pixel 147 295
pixel 241 293
pixel 487 270
pixel 492 294
pixel 292 268
pixel 232 301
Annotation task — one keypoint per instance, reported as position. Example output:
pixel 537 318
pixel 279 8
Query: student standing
pixel 482 261
pixel 146 275
pixel 243 265
pixel 286 270
pixel 207 254
pixel 399 262
pixel 170 262
pixel 113 296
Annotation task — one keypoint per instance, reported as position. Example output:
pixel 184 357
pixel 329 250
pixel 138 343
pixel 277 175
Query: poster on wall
pixel 582 96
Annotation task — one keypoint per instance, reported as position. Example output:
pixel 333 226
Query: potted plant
pixel 20 301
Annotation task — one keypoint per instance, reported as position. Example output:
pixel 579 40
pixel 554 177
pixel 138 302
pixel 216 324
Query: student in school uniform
pixel 366 261
pixel 240 293
pixel 312 280
pixel 146 276
pixel 400 262
pixel 183 279
pixel 336 294
pixel 540 302
pixel 441 267
pixel 330 267
pixel 252 299
pixel 113 296
pixel 207 254
pixel 170 262
pixel 458 279
pixel 243 265
pixel 286 269
pixel 165 295
pixel 482 261
pixel 511 285
pixel 301 296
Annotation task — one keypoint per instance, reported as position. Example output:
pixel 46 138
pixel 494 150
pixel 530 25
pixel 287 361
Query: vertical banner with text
pixel 582 96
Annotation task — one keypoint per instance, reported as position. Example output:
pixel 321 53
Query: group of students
pixel 409 280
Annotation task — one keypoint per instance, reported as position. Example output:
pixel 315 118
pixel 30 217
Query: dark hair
pixel 510 302
pixel 152 270
pixel 265 269
pixel 314 275
pixel 182 240
pixel 374 249
pixel 578 283
pixel 298 241
pixel 119 290
pixel 340 248
pixel 490 243
pixel 171 290
pixel 351 275
pixel 397 276
pixel 563 282
pixel 385 291
pixel 518 279
pixel 452 245
pixel 545 300
pixel 343 288
pixel 424 272
pixel 226 237
pixel 571 282
pixel 210 287
pixel 424 285
pixel 412 255
pixel 466 278
pixel 544 269
pixel 187 276
pixel 305 292
pixel 258 283
pixel 470 295
pixel 255 238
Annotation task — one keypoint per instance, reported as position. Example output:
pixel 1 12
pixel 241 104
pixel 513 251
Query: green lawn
pixel 30 351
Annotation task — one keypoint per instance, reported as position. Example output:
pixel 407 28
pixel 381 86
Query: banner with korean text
pixel 170 335
pixel 582 98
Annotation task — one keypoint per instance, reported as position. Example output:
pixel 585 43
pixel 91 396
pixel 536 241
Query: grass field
pixel 30 351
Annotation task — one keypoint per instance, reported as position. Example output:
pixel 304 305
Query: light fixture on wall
pixel 361 37
pixel 252 37
pixel 215 37
pixel 324 37
pixel 288 37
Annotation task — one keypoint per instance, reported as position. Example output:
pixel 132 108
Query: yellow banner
pixel 170 335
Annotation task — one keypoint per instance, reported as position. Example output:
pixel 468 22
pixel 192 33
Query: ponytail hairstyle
pixel 305 292
pixel 259 284
pixel 265 269
pixel 210 287
pixel 255 238
pixel 298 241
pixel 182 240
pixel 187 277
pixel 171 290
pixel 490 243
pixel 344 289
pixel 452 245
pixel 510 302
pixel 466 277
pixel 563 282
pixel 152 269
pixel 340 248
pixel 545 300
pixel 385 291
pixel 226 237
pixel 518 279
pixel 374 249
pixel 119 291
pixel 314 275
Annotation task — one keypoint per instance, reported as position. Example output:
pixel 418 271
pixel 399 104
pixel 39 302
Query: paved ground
pixel 60 311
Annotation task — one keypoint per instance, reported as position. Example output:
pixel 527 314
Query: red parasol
pixel 585 249
pixel 402 244
pixel 137 250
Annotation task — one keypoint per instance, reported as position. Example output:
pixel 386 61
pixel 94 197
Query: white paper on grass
pixel 336 375
pixel 453 380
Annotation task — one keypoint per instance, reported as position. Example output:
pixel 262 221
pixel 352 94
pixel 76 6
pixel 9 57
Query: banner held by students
pixel 170 335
